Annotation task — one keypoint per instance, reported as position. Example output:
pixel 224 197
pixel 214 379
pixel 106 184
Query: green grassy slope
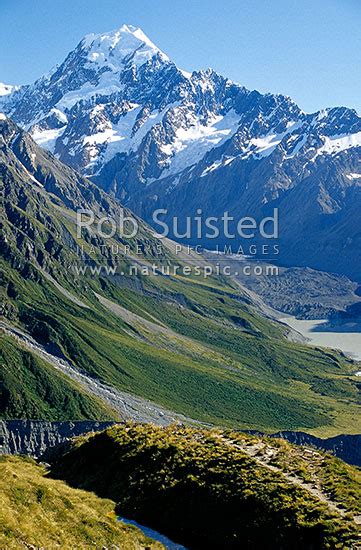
pixel 38 512
pixel 206 367
pixel 31 388
pixel 195 346
pixel 218 489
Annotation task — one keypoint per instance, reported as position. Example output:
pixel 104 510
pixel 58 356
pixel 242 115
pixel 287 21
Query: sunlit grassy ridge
pixel 216 489
pixel 340 481
pixel 38 512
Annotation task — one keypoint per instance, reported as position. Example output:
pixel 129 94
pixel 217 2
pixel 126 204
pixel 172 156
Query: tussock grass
pixel 46 513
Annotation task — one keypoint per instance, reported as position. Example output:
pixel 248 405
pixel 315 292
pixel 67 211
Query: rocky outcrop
pixel 303 292
pixel 34 437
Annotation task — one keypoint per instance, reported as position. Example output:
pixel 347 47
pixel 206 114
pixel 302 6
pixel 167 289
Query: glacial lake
pixel 342 335
pixel 169 545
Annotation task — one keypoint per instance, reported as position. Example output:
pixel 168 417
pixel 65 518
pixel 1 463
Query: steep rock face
pixel 34 437
pixel 121 112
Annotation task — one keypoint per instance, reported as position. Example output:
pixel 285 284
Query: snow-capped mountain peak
pixel 126 44
pixel 7 89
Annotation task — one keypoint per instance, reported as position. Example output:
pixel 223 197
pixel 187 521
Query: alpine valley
pixel 84 337
pixel 129 385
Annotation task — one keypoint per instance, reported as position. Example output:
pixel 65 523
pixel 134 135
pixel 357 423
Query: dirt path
pixel 253 452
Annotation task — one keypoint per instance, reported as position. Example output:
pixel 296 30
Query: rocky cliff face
pixel 34 437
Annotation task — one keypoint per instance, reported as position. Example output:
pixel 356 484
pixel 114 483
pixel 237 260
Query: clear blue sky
pixel 308 49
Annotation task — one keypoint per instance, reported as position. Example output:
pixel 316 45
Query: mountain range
pixel 118 110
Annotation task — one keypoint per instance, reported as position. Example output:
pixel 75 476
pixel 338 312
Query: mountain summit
pixel 127 44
